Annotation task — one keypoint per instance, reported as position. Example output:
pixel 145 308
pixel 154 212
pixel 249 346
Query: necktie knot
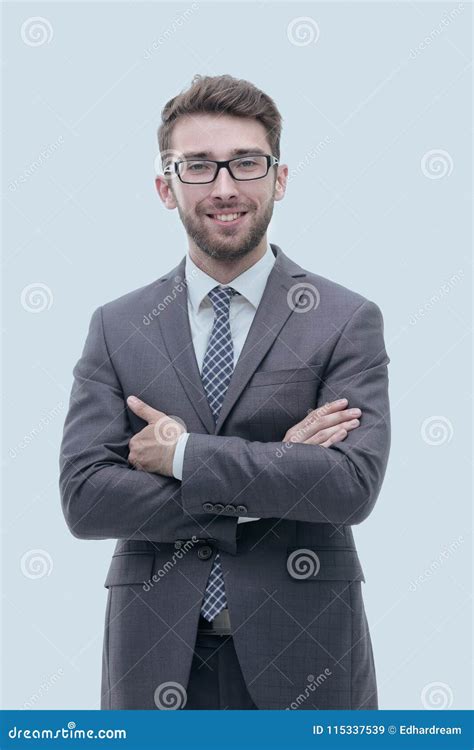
pixel 220 298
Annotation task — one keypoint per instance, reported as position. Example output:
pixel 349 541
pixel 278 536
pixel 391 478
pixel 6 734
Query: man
pixel 206 433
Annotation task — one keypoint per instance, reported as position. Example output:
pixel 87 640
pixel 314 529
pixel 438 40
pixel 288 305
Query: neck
pixel 223 270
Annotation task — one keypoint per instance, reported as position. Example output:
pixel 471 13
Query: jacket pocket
pixel 130 567
pixel 312 564
pixel 294 375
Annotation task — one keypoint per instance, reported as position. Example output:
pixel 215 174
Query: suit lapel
pixel 176 333
pixel 270 317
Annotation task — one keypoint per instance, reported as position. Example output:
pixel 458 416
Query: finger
pixel 306 426
pixel 330 407
pixel 313 424
pixel 143 410
pixel 323 435
pixel 338 437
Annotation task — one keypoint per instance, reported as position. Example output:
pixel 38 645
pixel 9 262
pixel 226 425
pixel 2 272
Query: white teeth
pixel 226 217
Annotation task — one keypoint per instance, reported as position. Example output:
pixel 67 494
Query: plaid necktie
pixel 217 369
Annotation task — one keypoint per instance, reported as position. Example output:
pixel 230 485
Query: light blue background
pixel 85 221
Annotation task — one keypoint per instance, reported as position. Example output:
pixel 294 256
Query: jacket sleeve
pixel 303 482
pixel 102 495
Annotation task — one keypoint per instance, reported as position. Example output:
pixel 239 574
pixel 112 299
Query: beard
pixel 231 246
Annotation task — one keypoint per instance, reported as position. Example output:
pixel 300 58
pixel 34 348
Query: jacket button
pixel 204 552
pixel 230 508
pixel 178 544
pixel 208 506
pixel 218 507
pixel 241 509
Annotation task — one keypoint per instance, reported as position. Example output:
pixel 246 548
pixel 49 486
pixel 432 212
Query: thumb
pixel 143 410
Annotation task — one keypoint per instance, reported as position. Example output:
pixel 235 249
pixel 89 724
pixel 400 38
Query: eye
pixel 197 166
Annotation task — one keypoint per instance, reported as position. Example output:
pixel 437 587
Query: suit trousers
pixel 216 680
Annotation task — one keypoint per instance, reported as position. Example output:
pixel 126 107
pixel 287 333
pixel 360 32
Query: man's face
pixel 217 136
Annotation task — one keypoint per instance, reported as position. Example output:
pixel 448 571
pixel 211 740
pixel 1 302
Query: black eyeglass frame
pixel 271 162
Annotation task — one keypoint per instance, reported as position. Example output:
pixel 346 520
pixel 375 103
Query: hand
pixel 326 425
pixel 152 449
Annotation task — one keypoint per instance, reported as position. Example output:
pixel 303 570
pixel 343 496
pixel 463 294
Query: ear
pixel 280 182
pixel 163 187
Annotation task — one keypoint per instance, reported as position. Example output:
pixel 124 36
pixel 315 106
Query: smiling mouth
pixel 227 218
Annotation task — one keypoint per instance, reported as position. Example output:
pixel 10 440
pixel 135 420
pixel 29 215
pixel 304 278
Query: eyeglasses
pixel 202 171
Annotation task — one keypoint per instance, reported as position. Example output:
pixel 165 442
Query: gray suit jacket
pixel 293 578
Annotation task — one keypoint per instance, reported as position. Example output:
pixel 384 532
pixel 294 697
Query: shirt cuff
pixel 178 457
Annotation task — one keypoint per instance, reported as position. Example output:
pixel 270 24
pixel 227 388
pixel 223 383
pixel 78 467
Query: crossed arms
pixel 103 497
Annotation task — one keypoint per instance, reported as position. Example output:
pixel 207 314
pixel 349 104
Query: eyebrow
pixel 234 152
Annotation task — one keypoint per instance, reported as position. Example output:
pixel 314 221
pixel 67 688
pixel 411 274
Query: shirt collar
pixel 251 283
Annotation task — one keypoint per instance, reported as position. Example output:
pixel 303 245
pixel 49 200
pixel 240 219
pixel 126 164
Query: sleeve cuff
pixel 178 457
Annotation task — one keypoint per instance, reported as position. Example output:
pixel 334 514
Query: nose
pixel 224 186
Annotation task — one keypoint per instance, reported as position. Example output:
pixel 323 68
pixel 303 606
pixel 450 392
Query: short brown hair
pixel 224 94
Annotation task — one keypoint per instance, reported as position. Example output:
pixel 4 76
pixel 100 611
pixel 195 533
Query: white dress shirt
pixel 251 284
